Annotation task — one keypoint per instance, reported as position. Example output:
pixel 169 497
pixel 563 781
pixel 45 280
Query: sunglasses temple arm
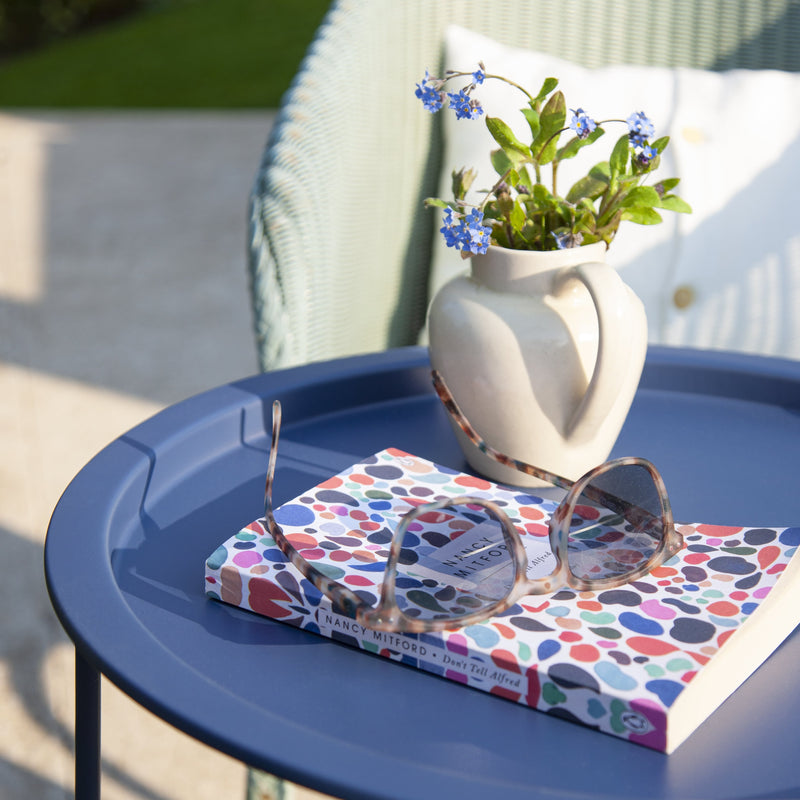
pixel 273 455
pixel 610 501
pixel 344 600
pixel 520 466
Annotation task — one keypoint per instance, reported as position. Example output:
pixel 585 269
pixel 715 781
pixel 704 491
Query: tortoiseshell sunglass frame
pixel 388 616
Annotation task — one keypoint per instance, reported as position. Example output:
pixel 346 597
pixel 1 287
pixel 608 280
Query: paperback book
pixel 647 661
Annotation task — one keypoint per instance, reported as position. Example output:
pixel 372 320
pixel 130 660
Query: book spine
pixel 430 653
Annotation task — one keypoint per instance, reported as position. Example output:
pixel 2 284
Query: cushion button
pixel 693 135
pixel 683 297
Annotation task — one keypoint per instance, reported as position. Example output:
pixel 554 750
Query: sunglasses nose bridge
pixel 558 539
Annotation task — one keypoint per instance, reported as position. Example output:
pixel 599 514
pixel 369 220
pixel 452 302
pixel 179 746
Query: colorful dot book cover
pixel 647 661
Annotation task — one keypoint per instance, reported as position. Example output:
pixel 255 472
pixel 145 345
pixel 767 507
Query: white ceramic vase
pixel 543 351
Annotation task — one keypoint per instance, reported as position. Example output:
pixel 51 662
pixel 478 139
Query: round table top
pixel 127 543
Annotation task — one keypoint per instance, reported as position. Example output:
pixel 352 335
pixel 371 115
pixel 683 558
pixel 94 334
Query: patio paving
pixel 122 289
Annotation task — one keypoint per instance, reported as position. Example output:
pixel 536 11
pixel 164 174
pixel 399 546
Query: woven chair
pixel 340 240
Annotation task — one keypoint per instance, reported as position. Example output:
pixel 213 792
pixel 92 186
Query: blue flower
pixel 467 234
pixel 566 240
pixel 476 238
pixel 431 97
pixel 479 75
pixel 640 128
pixel 464 107
pixel 581 123
pixel 647 154
pixel 451 228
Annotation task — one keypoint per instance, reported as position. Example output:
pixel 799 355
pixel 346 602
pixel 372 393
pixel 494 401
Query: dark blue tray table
pixel 127 542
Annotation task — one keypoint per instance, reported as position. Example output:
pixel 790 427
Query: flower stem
pixel 607 208
pixel 494 188
pixel 512 83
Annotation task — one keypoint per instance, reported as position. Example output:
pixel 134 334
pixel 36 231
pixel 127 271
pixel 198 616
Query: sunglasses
pixel 460 560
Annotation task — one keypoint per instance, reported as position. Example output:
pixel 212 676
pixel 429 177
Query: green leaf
pixel 666 186
pixel 542 196
pixel 645 196
pixel 570 149
pixel 517 217
pixel 660 145
pixel 525 178
pixel 505 137
pixel 607 231
pixel 501 162
pixel 586 221
pixel 591 185
pixel 619 156
pixel 552 119
pixel 573 146
pixel 532 115
pixel 642 215
pixel 462 180
pixel 530 231
pixel 674 203
pixel 435 202
pixel 547 87
pixel 627 182
pixel 567 210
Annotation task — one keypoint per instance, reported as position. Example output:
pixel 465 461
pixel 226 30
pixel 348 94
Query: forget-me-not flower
pixel 568 239
pixel 467 234
pixel 640 128
pixel 581 123
pixel 432 98
pixel 450 229
pixel 476 237
pixel 464 107
pixel 646 155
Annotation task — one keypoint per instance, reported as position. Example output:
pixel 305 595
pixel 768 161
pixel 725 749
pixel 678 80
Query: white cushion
pixel 735 144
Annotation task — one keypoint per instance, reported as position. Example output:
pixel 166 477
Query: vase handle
pixel 621 347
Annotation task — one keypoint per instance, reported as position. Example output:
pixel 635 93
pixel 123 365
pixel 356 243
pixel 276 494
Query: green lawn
pixel 181 54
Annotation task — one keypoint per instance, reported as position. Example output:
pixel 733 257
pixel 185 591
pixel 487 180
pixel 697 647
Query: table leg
pixel 87 730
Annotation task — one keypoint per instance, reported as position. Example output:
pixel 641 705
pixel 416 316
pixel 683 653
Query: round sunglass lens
pixel 454 562
pixel 617 525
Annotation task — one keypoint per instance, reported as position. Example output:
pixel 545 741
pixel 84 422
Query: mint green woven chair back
pixel 340 242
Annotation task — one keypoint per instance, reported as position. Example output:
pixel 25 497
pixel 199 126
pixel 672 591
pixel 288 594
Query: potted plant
pixel 542 343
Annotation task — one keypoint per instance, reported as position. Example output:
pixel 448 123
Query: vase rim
pixel 596 245
pixel 503 269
